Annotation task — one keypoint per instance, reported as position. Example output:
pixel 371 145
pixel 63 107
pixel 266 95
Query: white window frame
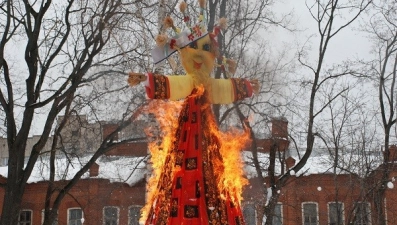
pixel 368 213
pixel 343 211
pixel 303 211
pixel 103 213
pixel 129 215
pixel 68 214
pixel 281 212
pixel 31 215
pixel 42 217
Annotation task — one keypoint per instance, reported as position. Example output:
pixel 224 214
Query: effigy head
pixel 197 48
pixel 199 55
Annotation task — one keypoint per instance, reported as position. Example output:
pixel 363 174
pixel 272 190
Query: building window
pixel 110 215
pixel 25 217
pixel 249 214
pixel 362 214
pixel 75 216
pixel 310 214
pixel 335 213
pixel 278 214
pixel 134 213
pixel 42 218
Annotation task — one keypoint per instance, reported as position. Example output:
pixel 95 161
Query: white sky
pixel 348 44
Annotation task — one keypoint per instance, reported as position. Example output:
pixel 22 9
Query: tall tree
pixel 382 29
pixel 244 42
pixel 330 17
pixel 326 15
pixel 247 21
pixel 47 52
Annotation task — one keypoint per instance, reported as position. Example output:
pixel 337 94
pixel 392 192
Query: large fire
pixel 197 176
pixel 167 115
pixel 228 167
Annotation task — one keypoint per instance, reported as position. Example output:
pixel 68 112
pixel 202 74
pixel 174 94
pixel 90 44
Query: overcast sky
pixel 348 44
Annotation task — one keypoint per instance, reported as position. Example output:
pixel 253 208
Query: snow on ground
pixel 124 169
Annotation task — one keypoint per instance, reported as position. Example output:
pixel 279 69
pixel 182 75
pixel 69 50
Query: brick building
pixel 320 197
pixel 112 192
pixel 322 192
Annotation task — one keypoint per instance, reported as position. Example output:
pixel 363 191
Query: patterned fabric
pixel 161 87
pixel 242 88
pixel 189 193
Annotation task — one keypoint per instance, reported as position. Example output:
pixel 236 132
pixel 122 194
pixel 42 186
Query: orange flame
pixel 230 173
pixel 167 115
pixel 232 180
pixel 229 169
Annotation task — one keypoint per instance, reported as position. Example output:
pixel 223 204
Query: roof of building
pixel 131 170
pixel 319 163
pixel 124 169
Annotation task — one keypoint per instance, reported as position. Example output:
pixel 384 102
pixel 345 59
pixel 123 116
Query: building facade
pixel 308 199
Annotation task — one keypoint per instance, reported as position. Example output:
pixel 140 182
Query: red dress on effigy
pixel 187 191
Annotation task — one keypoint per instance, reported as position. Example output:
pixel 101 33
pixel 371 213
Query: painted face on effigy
pixel 199 56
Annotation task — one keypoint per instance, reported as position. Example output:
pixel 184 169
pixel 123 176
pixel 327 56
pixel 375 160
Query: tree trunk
pixel 379 202
pixel 379 193
pixel 12 197
pixel 222 13
pixel 11 205
pixel 269 209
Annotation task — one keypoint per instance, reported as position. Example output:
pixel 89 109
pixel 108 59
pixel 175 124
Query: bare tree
pixel 348 138
pixel 329 20
pixel 325 14
pixel 47 52
pixel 382 29
pixel 243 42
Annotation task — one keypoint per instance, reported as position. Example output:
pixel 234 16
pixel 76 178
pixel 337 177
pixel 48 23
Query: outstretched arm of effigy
pixel 163 87
pixel 225 91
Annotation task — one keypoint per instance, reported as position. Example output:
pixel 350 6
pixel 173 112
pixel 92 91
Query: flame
pixel 232 179
pixel 228 166
pixel 166 114
pixel 230 170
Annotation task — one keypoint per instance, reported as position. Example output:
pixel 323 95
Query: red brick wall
pixel 130 149
pixel 305 189
pixel 393 153
pixel 92 195
pixel 342 188
pixel 391 200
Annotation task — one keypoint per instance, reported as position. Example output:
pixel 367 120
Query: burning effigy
pixel 197 171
